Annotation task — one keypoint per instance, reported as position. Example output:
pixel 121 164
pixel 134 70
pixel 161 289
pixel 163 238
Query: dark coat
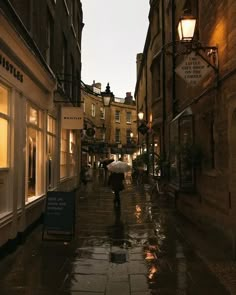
pixel 116 181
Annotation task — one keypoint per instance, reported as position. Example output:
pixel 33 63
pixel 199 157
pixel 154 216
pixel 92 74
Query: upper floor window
pixel 102 113
pixel 156 79
pixel 128 136
pixel 64 62
pixel 128 117
pixel 49 49
pixel 117 135
pixel 117 116
pixel 93 110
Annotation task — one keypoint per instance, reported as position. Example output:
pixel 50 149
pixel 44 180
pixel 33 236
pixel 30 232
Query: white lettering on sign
pixel 193 69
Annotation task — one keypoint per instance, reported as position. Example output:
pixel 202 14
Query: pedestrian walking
pixel 116 182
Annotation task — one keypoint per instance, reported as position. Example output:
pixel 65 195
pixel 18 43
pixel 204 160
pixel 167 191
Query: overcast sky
pixel 114 32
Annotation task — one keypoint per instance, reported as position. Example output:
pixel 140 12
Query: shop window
pixel 71 153
pixel 63 156
pixel 35 167
pixel 4 127
pixel 51 143
pixel 174 160
pixel 181 143
pixel 67 158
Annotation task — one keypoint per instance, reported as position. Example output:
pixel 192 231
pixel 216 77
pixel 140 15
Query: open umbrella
pixel 118 167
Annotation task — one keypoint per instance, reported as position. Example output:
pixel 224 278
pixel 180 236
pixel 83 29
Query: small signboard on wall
pixel 72 118
pixel 59 215
pixel 193 69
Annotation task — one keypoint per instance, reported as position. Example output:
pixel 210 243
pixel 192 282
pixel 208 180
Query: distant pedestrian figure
pixel 84 174
pixel 116 182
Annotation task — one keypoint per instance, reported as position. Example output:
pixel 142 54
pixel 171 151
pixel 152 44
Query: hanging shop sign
pixel 193 69
pixel 72 118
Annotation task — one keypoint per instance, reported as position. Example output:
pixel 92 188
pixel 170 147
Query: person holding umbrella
pixel 116 178
pixel 116 182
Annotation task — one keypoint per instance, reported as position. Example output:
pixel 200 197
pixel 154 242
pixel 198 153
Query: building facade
pixel 115 133
pixel 39 47
pixel 191 113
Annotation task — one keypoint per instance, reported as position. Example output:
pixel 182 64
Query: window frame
pixel 117 116
pixel 6 117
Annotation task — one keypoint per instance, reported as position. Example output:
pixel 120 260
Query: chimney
pixel 128 98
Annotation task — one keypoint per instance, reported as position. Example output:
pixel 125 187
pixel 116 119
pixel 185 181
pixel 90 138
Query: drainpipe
pixel 163 82
pixel 173 57
pixel 146 111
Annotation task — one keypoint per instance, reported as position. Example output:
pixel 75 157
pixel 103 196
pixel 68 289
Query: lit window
pixel 4 127
pixel 34 163
pixel 51 145
pixel 67 157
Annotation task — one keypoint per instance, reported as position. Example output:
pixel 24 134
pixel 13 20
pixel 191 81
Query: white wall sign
pixel 72 118
pixel 193 69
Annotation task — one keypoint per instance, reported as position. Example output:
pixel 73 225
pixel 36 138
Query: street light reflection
pixel 152 271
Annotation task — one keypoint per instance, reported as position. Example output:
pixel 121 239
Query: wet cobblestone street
pixel 134 250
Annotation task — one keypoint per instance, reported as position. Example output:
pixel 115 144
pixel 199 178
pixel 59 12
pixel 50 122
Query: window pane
pixel 3 143
pixel 51 125
pixel 128 117
pixel 3 101
pixel 33 116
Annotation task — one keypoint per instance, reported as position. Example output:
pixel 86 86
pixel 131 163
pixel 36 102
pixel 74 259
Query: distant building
pixel 115 128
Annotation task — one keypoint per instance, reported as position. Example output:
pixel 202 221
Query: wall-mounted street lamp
pixel 107 96
pixel 186 27
pixel 187 43
pixel 142 128
pixel 140 115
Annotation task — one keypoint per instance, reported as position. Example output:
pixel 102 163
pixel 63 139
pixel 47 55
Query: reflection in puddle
pixel 137 213
pixel 181 270
pixel 152 272
pixel 150 256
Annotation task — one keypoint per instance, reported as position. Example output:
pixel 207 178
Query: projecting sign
pixel 72 118
pixel 193 69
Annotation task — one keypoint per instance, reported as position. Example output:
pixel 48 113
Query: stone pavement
pixel 134 250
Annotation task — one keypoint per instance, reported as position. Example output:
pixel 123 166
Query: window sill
pixel 5 218
pixel 5 169
pixel 211 172
pixel 34 200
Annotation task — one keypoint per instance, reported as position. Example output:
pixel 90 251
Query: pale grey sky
pixel 114 32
